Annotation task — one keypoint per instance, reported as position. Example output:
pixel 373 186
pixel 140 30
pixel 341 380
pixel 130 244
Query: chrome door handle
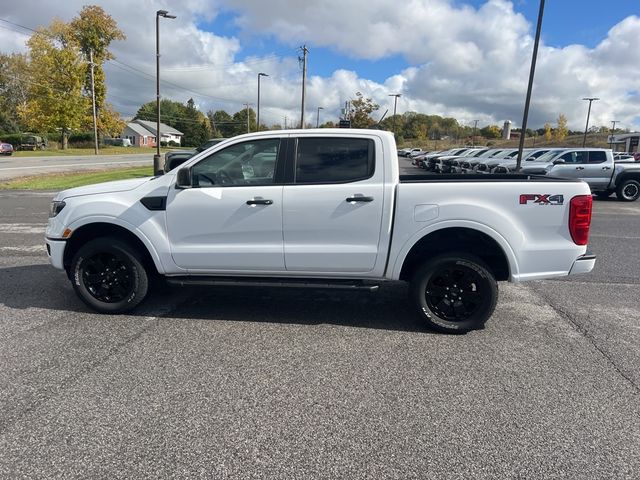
pixel 259 201
pixel 359 198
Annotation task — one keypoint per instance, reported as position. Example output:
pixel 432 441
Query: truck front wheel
pixel 454 293
pixel 108 275
pixel 628 190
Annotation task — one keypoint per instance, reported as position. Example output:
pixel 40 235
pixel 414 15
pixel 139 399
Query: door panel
pixel 214 229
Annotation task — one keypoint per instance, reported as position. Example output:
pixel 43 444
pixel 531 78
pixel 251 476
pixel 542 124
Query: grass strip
pixel 62 181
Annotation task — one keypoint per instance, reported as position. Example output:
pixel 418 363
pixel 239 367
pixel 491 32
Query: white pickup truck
pixel 321 208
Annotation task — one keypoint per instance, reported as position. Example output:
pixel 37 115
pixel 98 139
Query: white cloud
pixel 470 63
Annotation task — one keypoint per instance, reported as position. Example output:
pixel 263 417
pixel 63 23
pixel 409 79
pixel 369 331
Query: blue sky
pixel 565 22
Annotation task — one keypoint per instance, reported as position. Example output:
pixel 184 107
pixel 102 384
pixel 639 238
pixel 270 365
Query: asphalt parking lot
pixel 263 383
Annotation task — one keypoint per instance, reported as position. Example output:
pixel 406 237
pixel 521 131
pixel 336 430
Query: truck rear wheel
pixel 454 293
pixel 628 190
pixel 109 276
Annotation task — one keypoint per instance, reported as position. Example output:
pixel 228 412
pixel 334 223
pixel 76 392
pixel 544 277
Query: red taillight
pixel 580 218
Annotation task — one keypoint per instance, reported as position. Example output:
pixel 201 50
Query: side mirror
pixel 183 179
pixel 558 162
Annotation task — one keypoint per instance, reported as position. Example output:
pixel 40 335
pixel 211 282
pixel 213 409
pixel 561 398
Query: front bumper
pixel 55 251
pixel 584 264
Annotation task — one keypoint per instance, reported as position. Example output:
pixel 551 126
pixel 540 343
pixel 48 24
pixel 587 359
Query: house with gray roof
pixel 142 133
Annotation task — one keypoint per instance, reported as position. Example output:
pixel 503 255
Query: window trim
pixel 293 161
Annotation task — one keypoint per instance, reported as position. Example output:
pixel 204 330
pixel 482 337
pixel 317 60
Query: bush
pixel 173 144
pixel 163 144
pixel 12 138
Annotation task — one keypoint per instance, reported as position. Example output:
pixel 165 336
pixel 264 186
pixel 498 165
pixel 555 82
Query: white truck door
pixel 231 218
pixel 333 210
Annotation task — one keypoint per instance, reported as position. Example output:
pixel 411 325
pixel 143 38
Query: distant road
pixel 13 167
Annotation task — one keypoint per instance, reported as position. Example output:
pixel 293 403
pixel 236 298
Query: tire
pixel 628 190
pixel 108 275
pixel 459 275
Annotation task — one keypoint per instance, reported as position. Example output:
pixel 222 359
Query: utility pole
pixel 285 122
pixel 305 50
pixel 93 101
pixel 258 113
pixel 532 72
pixel 395 106
pixel 586 128
pixel 318 117
pixel 247 105
pixel 475 126
pixel 613 130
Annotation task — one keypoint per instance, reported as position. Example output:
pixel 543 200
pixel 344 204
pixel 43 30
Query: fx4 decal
pixel 541 199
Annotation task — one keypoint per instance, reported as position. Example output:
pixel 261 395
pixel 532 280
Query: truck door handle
pixel 606 168
pixel 259 201
pixel 579 168
pixel 359 198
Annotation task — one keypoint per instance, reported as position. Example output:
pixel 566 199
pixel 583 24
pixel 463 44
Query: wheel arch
pixel 468 237
pixel 96 229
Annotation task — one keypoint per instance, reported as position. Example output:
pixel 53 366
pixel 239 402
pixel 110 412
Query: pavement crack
pixel 591 339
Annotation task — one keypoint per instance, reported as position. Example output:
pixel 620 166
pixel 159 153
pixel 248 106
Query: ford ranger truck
pixel 320 208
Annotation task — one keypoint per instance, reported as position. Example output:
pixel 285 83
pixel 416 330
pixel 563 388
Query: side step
pixel 273 282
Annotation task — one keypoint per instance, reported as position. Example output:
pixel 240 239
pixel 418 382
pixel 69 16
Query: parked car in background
pixel 33 142
pixel 5 148
pixel 596 167
pixel 625 157
pixel 176 158
pixel 117 142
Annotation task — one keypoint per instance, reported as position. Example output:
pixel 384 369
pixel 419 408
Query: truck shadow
pixel 43 287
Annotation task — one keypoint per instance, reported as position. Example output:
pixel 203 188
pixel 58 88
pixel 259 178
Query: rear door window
pixel 334 160
pixel 597 157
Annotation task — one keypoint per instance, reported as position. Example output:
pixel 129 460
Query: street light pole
pixel 318 117
pixel 395 105
pixel 586 128
pixel 258 107
pixel 613 131
pixel 156 157
pixel 532 71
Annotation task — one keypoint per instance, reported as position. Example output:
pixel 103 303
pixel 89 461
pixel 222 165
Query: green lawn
pixel 89 151
pixel 61 181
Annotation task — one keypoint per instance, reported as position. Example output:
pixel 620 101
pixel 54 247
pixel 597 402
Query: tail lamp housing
pixel 580 218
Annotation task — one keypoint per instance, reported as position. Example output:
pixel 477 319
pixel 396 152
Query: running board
pixel 273 282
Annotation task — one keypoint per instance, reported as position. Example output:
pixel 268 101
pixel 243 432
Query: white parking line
pixel 22 228
pixel 25 249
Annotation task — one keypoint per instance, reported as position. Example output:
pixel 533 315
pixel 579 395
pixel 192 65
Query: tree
pixel 562 130
pixel 94 31
pixel 361 109
pixel 14 80
pixel 491 131
pixel 56 71
pixel 240 120
pixel 221 123
pixel 547 132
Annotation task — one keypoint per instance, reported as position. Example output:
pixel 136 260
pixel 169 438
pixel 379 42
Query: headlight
pixel 55 208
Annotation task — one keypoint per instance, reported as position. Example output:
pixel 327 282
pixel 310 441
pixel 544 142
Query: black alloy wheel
pixel 455 292
pixel 109 276
pixel 628 190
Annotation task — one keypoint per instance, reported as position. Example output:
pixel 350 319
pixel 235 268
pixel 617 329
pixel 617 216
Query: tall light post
pixel 613 131
pixel 532 72
pixel 156 157
pixel 258 107
pixel 318 117
pixel 586 128
pixel 395 105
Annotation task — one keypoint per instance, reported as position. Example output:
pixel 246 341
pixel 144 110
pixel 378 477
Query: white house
pixel 167 133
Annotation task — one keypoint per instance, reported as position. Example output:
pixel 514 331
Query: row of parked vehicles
pixel 606 172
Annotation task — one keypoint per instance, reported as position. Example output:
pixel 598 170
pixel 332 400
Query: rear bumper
pixel 584 264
